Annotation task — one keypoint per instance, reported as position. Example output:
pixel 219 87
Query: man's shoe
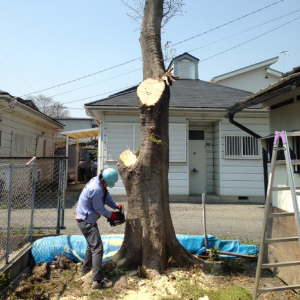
pixel 101 284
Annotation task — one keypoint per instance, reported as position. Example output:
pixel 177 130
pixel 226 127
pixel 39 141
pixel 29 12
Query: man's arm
pixel 98 205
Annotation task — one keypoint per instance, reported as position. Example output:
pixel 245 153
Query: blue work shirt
pixel 91 202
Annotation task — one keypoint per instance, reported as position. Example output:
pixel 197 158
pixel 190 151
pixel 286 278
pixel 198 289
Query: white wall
pixel 284 118
pixel 251 81
pixel 225 177
pixel 15 122
pixel 178 171
pixel 242 177
pixel 216 158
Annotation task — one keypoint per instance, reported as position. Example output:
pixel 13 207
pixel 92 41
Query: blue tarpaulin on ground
pixel 73 246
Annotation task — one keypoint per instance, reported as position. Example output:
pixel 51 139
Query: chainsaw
pixel 120 219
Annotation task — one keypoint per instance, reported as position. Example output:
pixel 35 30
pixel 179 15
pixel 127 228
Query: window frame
pixel 294 151
pixel 242 140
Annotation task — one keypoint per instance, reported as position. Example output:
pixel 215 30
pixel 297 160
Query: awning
pixel 82 133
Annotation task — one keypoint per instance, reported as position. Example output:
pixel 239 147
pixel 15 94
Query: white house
pixel 251 78
pixel 207 153
pixel 24 130
pixel 282 99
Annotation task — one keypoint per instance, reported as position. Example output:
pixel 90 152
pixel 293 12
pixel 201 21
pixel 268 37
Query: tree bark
pixel 150 241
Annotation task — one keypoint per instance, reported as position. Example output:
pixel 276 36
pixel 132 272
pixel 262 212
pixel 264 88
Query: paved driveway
pixel 234 221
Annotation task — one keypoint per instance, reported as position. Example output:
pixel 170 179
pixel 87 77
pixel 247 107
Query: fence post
pixel 9 213
pixel 63 189
pixel 59 199
pixel 32 199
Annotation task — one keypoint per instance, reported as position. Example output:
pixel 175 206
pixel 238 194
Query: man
pixel 90 207
pixel 81 167
pixel 94 167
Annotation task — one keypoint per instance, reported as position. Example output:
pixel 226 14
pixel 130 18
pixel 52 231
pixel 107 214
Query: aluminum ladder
pixel 267 214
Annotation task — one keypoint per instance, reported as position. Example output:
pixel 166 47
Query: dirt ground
pixel 61 281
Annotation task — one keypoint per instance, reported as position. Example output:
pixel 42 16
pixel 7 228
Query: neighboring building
pixel 24 130
pixel 81 135
pixel 207 153
pixel 77 123
pixel 251 78
pixel 282 99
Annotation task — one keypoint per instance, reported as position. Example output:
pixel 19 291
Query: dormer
pixel 185 66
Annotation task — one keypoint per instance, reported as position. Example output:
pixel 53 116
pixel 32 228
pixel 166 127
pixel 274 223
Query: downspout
pixel 264 152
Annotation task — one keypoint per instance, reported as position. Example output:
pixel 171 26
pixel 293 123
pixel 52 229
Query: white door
pixel 197 162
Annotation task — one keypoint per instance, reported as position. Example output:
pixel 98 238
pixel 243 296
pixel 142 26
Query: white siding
pixel 14 125
pixel 242 177
pixel 216 158
pixel 284 118
pixel 123 136
pixel 251 81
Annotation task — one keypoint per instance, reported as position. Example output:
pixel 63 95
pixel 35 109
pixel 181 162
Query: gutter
pixel 264 152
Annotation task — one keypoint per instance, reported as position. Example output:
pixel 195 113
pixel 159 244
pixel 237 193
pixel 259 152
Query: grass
pixel 245 241
pixel 189 290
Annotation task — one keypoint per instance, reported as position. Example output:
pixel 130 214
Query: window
pixel 241 147
pixel 127 136
pixel 196 135
pixel 294 151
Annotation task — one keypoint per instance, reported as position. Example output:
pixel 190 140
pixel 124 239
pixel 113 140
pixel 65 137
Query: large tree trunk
pixel 150 239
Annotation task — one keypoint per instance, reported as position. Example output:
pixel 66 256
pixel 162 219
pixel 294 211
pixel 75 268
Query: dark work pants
pixel 94 249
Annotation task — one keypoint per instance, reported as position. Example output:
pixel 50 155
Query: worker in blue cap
pixel 91 205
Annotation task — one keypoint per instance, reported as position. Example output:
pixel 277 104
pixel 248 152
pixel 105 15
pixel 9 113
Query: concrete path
pixel 230 221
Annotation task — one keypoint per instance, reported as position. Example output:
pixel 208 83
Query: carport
pixel 77 135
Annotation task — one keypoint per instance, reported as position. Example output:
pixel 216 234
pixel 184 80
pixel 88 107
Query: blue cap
pixel 110 177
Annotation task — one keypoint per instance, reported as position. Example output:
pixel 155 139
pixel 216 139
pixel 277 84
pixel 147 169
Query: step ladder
pixel 283 136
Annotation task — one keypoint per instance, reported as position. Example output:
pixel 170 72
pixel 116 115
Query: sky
pixel 78 51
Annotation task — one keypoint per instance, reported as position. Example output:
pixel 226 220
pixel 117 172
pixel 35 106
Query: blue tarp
pixel 45 249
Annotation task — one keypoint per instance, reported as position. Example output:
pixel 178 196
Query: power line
pixel 230 22
pixel 16 69
pixel 111 92
pixel 248 41
pixel 135 59
pixel 244 31
pixel 101 71
pixel 72 90
pixel 96 83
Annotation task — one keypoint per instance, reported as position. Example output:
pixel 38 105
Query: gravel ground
pixel 230 221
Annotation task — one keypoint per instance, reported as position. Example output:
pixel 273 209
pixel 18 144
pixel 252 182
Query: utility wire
pixel 248 41
pixel 135 59
pixel 107 69
pixel 111 92
pixel 69 91
pixel 230 22
pixel 244 31
pixel 16 69
pixel 96 83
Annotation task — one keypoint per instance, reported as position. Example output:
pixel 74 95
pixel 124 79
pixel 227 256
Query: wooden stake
pixel 204 220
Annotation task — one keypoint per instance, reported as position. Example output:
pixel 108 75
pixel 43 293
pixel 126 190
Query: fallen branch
pixel 252 257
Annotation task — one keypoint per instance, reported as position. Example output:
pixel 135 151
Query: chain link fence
pixel 32 197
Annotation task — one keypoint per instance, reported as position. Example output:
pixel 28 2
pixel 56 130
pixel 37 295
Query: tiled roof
pixel 184 94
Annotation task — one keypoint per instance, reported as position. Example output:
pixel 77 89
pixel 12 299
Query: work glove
pixel 114 216
pixel 119 207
